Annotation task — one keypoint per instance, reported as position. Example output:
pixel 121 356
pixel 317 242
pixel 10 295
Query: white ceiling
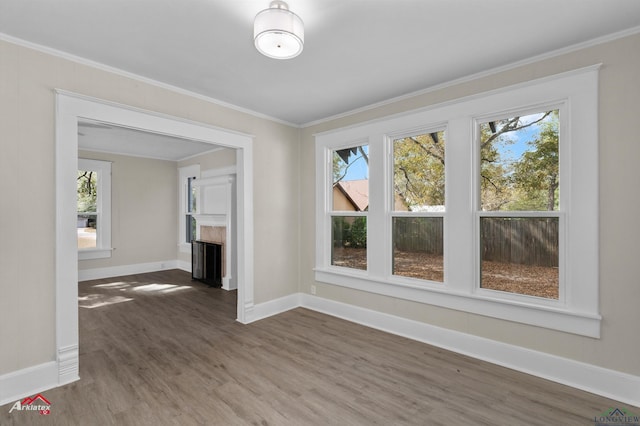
pixel 357 52
pixel 103 137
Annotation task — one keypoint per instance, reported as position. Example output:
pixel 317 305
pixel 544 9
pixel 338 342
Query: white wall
pixel 619 348
pixel 143 210
pixel 27 219
pixel 218 159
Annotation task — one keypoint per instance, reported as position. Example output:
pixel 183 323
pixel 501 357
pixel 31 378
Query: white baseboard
pixel 28 381
pixel 117 271
pixel 39 378
pixel 272 307
pixel 601 381
pixel 228 283
pixel 183 265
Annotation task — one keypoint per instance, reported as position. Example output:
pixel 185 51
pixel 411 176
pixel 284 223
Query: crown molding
pixel 492 71
pixel 103 67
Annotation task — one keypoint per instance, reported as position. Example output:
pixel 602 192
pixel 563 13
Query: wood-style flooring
pixel 160 349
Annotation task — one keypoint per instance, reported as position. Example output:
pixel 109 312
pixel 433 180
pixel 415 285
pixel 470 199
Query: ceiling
pixel 357 52
pixel 103 137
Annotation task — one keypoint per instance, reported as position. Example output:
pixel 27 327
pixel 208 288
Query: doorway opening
pixel 72 109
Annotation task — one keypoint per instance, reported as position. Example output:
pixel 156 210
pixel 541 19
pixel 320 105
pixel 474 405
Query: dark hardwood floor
pixel 159 349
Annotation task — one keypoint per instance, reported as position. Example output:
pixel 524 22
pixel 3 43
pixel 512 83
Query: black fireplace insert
pixel 206 262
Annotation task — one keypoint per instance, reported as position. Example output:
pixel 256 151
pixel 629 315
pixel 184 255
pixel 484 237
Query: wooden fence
pixel 528 241
pixel 418 234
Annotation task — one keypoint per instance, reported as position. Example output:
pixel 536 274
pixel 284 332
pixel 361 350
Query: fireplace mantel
pixel 210 219
pixel 215 200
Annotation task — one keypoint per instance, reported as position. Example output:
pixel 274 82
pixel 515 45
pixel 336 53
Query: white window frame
pixel 577 309
pixel 342 213
pixel 392 213
pixel 184 173
pixel 103 247
pixel 564 153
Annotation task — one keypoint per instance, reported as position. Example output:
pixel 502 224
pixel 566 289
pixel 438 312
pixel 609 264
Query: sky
pixel 512 152
pixel 359 168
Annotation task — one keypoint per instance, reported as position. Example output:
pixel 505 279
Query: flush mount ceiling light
pixel 278 32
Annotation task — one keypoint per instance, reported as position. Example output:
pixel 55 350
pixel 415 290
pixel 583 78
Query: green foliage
pixel 339 168
pixel 418 176
pixel 359 233
pixel 537 174
pixel 495 182
pixel 349 231
pixel 530 182
pixel 87 191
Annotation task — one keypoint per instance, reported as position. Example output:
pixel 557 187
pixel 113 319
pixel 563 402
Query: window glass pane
pixel 351 179
pixel 87 191
pixel 87 198
pixel 87 225
pixel 418 172
pixel 190 228
pixel 418 247
pixel 349 248
pixel 519 167
pixel 520 255
pixel 191 195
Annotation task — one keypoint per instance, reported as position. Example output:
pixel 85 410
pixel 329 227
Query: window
pixel 489 207
pixel 519 217
pixel 350 203
pixel 418 205
pixel 187 206
pixel 94 209
pixel 190 222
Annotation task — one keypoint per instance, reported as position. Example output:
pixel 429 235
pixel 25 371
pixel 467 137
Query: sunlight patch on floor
pixel 160 288
pixel 97 300
pixel 117 285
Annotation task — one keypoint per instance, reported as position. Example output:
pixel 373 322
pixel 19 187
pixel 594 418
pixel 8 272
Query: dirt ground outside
pixel 540 281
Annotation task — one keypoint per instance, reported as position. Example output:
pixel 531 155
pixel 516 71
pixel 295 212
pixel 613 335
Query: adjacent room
pixel 310 213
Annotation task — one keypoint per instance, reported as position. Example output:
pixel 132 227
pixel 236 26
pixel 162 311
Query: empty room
pixel 405 212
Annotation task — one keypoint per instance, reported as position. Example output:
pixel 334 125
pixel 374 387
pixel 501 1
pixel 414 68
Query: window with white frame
pixel 515 237
pixel 349 206
pixel 94 209
pixel 519 213
pixel 188 205
pixel 417 216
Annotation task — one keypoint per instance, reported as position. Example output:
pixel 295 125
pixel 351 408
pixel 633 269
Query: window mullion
pixel 458 219
pixel 378 238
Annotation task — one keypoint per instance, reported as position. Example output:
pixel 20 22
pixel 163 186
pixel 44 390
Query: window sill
pixel 555 318
pixel 88 254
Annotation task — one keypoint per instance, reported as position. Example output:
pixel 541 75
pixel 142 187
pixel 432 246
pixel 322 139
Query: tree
pixel 495 185
pixel 529 182
pixel 536 175
pixel 499 186
pixel 418 177
pixel 87 191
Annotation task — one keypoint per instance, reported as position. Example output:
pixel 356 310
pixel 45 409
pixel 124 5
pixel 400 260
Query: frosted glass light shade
pixel 278 32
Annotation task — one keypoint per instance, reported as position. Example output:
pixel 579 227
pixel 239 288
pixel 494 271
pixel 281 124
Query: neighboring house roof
pixel 357 191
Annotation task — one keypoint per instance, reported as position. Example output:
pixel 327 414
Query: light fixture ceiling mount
pixel 278 32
